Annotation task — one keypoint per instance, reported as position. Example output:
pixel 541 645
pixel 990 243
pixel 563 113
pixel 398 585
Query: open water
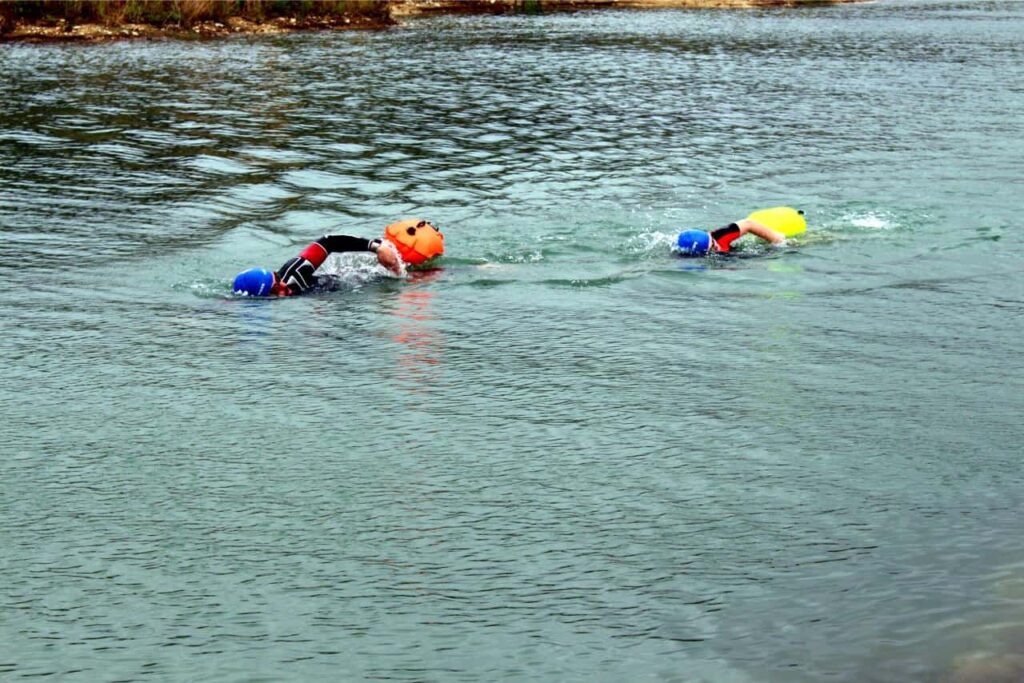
pixel 564 454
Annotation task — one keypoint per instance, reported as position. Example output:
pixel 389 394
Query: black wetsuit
pixel 298 274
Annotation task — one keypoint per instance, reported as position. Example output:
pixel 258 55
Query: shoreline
pixel 90 32
pixel 34 22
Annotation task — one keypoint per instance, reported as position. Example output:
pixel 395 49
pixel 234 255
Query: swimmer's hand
pixel 387 256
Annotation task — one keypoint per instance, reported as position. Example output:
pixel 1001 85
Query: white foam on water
pixel 647 242
pixel 872 221
pixel 359 269
pixel 535 256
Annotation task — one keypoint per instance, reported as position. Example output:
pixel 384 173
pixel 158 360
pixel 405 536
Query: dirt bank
pixel 401 8
pixel 68 31
pixel 105 20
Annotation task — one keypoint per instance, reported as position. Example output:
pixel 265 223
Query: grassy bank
pixel 46 20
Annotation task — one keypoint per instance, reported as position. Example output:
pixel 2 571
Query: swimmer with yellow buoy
pixel 772 225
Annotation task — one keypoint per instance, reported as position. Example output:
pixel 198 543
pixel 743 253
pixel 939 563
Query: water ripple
pixel 562 453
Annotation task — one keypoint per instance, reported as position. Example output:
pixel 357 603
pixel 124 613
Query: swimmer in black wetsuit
pixel 702 242
pixel 298 274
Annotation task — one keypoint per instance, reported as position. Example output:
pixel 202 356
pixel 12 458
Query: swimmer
pixel 298 274
pixel 702 242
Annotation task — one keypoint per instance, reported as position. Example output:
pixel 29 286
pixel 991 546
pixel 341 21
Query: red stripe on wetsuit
pixel 725 236
pixel 315 253
pixel 297 274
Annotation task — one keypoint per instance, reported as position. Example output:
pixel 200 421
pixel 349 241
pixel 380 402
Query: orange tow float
pixel 417 240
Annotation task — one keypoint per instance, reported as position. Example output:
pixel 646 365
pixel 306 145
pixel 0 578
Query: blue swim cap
pixel 254 282
pixel 694 242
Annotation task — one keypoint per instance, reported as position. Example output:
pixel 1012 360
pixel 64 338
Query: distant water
pixel 564 455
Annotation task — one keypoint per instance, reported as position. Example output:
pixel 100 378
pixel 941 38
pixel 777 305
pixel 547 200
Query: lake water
pixel 564 454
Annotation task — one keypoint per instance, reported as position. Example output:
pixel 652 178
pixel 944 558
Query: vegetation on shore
pixel 110 19
pixel 49 20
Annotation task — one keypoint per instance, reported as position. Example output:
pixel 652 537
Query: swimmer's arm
pixel 317 252
pixel 387 256
pixel 761 230
pixel 338 243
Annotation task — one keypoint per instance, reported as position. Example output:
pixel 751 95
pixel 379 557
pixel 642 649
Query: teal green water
pixel 565 454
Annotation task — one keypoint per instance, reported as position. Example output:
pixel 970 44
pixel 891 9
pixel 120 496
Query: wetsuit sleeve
pixel 297 274
pixel 725 236
pixel 318 252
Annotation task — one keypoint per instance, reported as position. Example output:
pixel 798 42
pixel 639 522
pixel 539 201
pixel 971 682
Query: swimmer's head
pixel 694 242
pixel 417 240
pixel 254 282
